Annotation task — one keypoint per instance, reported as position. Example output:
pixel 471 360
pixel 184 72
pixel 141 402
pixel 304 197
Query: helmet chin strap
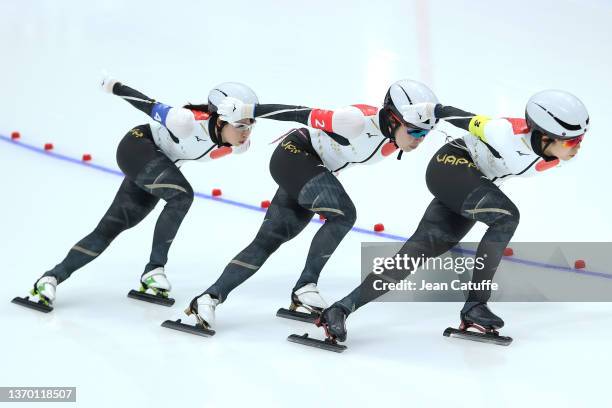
pixel 391 125
pixel 216 137
pixel 536 145
pixel 399 154
pixel 218 129
pixel 550 141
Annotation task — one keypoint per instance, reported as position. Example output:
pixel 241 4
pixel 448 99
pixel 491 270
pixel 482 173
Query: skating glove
pixel 232 110
pixel 107 83
pixel 419 113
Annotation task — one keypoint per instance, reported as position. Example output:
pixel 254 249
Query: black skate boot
pixel 477 315
pixel 333 321
pixel 480 315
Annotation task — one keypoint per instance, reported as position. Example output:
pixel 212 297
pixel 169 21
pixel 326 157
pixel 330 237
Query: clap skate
pixel 306 305
pixel 333 321
pixel 44 289
pixel 154 288
pixel 203 309
pixel 479 317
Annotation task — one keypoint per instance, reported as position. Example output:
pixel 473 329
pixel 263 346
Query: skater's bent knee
pixel 493 208
pixel 345 214
pixel 509 218
pixel 182 200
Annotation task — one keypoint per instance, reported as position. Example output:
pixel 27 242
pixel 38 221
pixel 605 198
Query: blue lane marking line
pixel 58 156
pixel 391 237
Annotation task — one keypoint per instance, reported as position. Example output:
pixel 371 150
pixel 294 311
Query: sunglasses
pixel 569 143
pixel 243 127
pixel 417 133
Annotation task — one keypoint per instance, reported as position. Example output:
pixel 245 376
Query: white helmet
pixel 408 92
pixel 557 114
pixel 233 89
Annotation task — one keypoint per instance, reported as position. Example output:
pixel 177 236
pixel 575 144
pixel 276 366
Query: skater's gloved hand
pixel 107 82
pixel 232 110
pixel 419 113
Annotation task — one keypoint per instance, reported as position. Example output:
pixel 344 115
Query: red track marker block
pixel 216 192
pixel 265 204
pixel 86 157
pixel 48 146
pixel 15 135
pixel 580 264
pixel 379 228
pixel 508 251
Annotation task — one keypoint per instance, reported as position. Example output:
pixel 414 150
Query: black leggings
pixel 150 175
pixel 463 195
pixel 306 187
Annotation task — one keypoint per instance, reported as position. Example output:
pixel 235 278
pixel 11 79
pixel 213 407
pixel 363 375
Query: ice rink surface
pixel 480 56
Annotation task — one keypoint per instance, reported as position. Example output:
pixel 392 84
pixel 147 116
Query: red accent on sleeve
pixel 321 119
pixel 367 110
pixel 388 149
pixel 543 165
pixel 519 126
pixel 220 152
pixel 199 115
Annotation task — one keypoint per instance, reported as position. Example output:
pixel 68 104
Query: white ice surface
pixel 481 56
pixel 113 349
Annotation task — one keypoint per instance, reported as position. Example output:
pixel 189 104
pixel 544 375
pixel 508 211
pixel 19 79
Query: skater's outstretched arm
pixel 179 121
pixel 348 122
pixel 501 135
pixel 454 116
pixel 427 111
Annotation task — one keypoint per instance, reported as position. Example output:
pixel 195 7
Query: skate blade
pixel 147 297
pixel 198 330
pixel 480 337
pixel 321 344
pixel 299 316
pixel 25 301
